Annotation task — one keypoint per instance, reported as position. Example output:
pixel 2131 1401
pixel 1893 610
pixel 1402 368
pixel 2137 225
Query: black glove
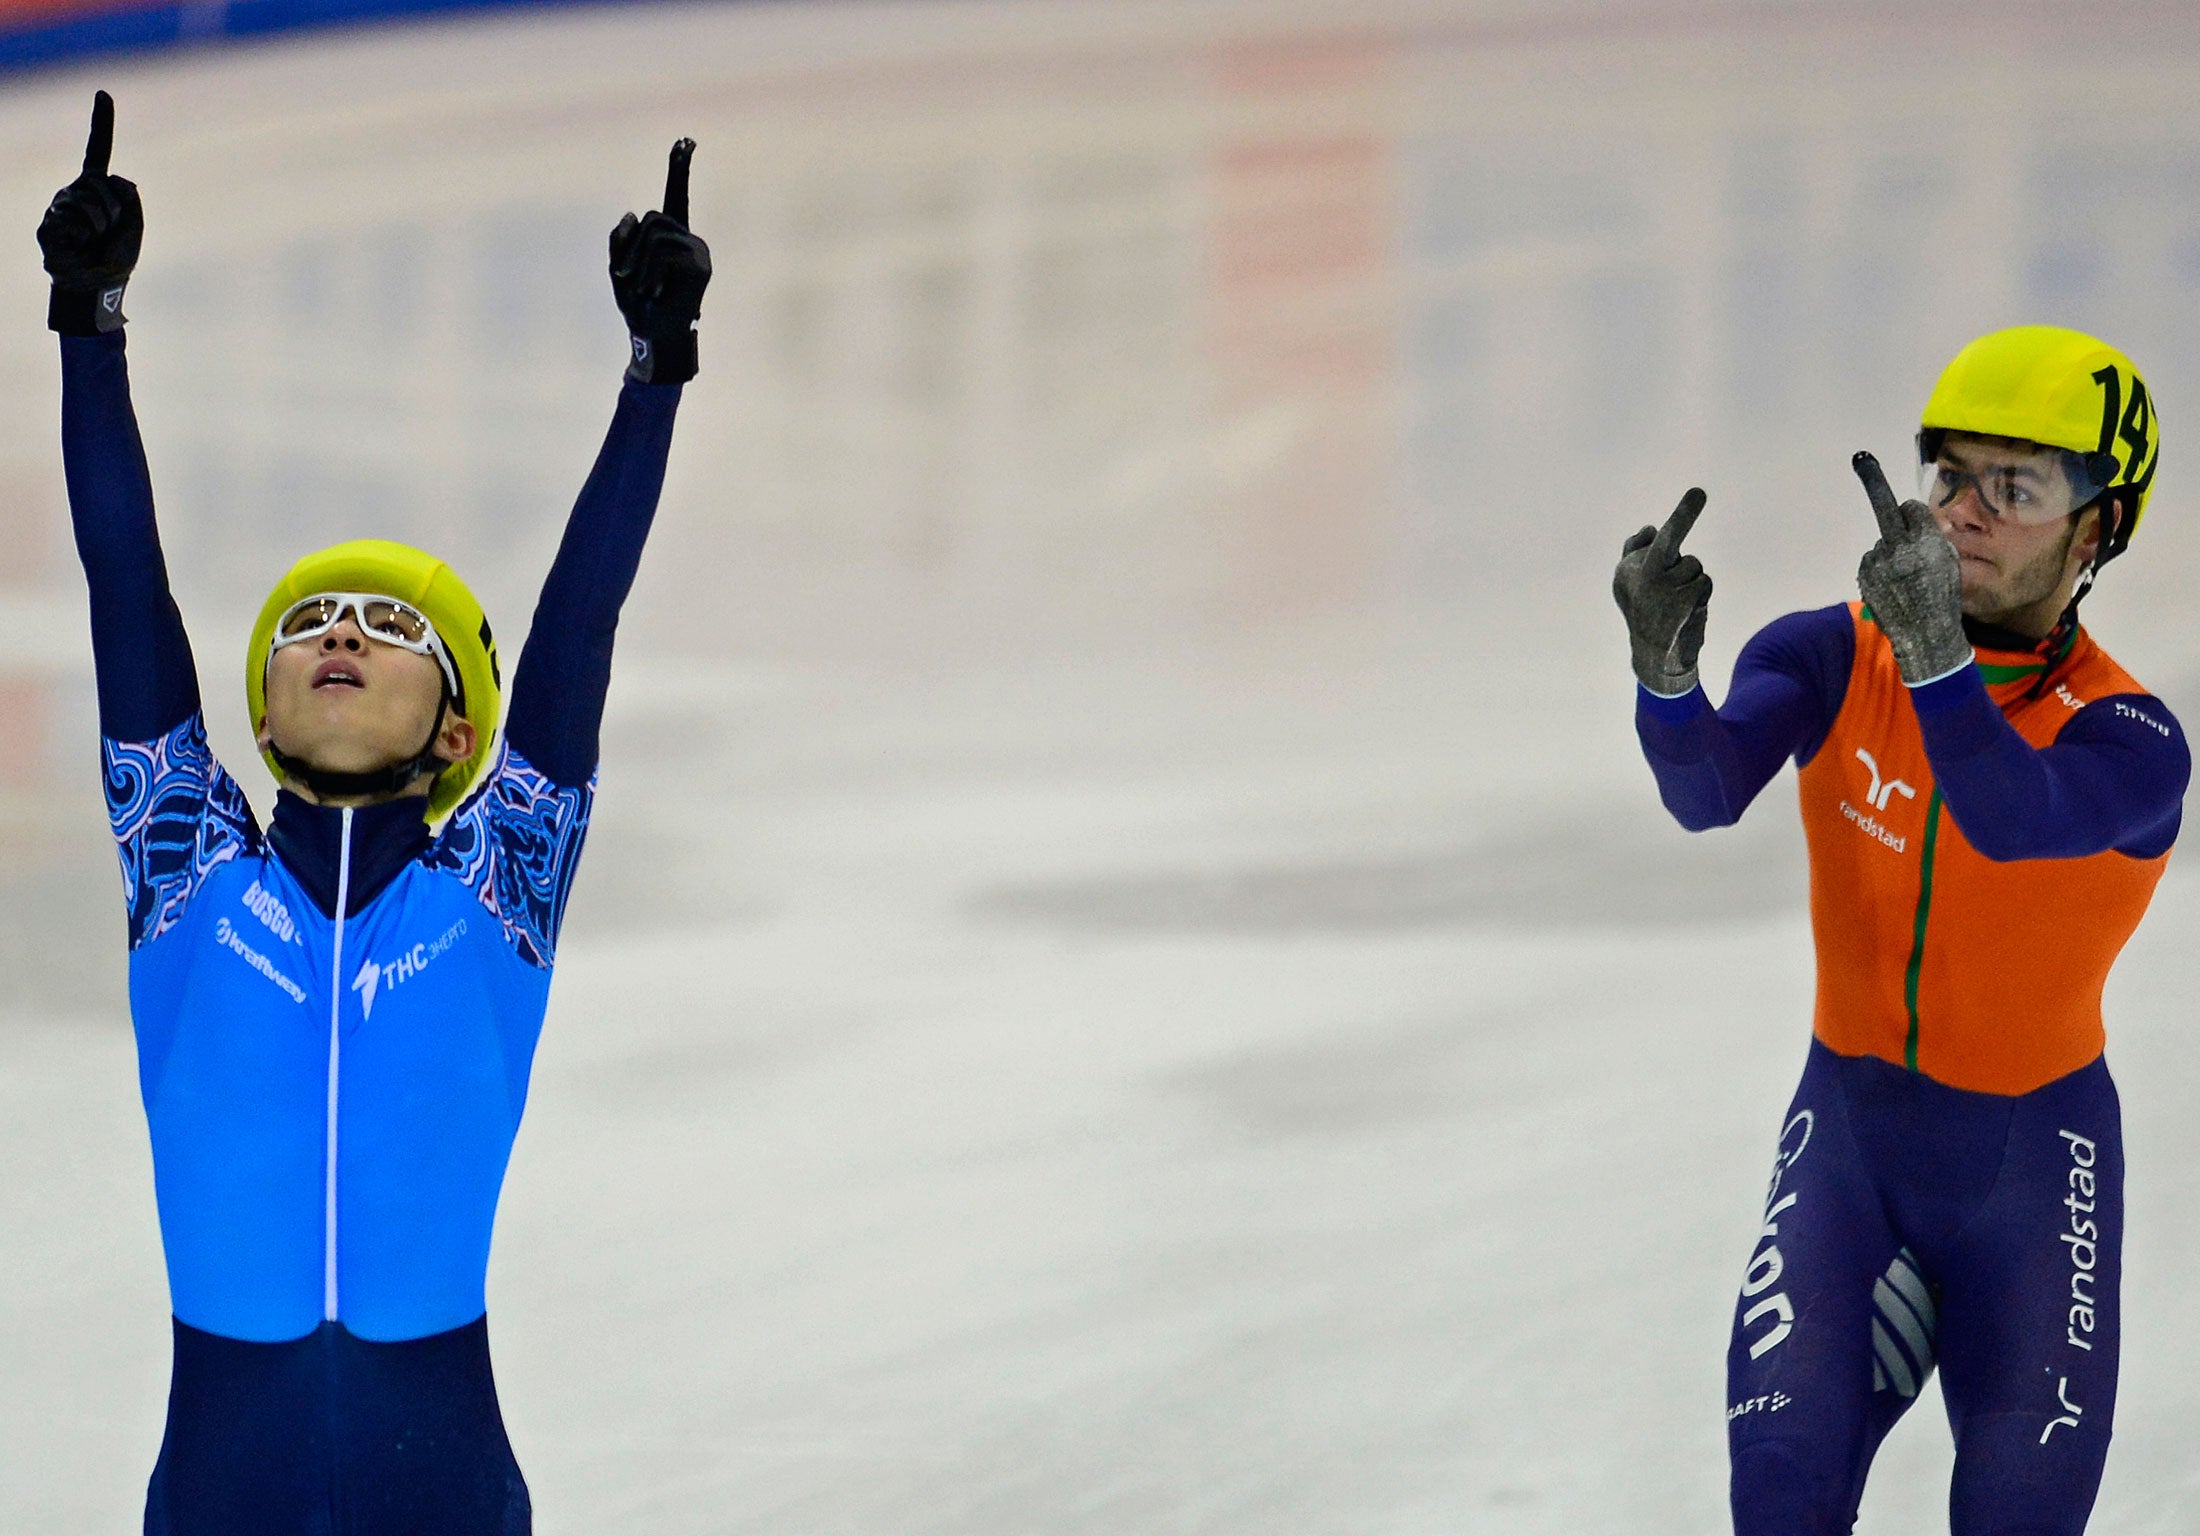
pixel 1666 598
pixel 91 234
pixel 658 274
pixel 1912 582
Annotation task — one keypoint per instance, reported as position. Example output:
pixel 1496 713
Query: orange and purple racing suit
pixel 1948 1185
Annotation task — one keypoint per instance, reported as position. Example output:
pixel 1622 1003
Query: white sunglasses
pixel 379 618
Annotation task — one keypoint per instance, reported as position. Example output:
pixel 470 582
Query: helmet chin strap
pixel 2058 641
pixel 328 784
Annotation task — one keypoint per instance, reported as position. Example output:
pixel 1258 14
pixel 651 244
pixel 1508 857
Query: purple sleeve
pixel 2114 777
pixel 1788 686
pixel 147 683
pixel 564 669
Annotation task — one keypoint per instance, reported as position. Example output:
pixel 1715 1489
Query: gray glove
pixel 1912 582
pixel 1666 598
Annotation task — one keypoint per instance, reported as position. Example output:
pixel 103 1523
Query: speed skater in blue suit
pixel 336 1014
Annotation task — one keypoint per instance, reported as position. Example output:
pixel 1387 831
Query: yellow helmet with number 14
pixel 2062 389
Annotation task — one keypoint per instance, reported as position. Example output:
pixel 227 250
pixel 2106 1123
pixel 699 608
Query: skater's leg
pixel 422 1447
pixel 1809 1399
pixel 246 1451
pixel 2030 1306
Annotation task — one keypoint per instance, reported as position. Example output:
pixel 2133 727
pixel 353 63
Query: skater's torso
pixel 1983 975
pixel 335 1027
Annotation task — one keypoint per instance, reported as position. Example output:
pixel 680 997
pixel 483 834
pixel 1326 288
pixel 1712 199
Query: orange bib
pixel 1980 975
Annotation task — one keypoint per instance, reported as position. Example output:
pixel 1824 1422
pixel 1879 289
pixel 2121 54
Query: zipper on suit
pixel 335 1050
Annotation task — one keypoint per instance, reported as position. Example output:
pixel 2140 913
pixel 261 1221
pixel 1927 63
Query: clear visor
pixel 2016 482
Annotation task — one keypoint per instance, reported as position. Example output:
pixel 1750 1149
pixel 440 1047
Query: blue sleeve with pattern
pixel 147 684
pixel 2114 778
pixel 177 817
pixel 1788 686
pixel 564 669
pixel 516 844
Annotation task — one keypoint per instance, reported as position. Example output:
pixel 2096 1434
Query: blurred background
pixel 1129 975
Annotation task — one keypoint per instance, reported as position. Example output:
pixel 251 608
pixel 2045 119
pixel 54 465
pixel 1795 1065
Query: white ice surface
pixel 1129 977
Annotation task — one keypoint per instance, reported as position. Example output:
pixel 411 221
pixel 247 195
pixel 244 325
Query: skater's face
pixel 2016 574
pixel 344 702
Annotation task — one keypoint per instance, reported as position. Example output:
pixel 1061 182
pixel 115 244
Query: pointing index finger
pixel 1668 542
pixel 676 182
pixel 1892 524
pixel 100 147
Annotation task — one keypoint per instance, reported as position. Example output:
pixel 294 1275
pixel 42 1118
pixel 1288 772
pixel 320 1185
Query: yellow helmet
pixel 2062 388
pixel 411 576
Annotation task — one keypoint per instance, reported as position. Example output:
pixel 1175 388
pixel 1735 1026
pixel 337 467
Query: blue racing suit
pixel 336 1016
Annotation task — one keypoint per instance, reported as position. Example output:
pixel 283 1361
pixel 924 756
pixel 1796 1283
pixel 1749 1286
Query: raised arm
pixel 1788 686
pixel 565 667
pixel 658 272
pixel 90 236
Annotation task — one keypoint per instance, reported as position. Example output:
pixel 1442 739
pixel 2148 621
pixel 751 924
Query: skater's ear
pixel 454 743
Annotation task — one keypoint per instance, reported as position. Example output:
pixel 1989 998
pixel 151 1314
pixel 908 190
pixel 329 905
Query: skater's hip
pixel 334 1435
